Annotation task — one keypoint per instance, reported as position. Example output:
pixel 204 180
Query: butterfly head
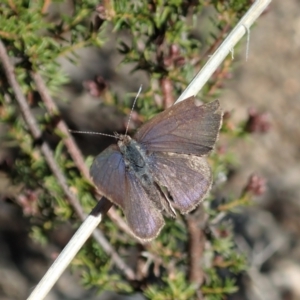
pixel 123 140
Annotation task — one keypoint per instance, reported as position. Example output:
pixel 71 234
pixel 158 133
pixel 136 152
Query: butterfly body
pixel 163 167
pixel 138 164
pixel 134 156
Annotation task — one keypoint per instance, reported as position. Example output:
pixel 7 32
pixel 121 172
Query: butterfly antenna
pixel 136 97
pixel 92 132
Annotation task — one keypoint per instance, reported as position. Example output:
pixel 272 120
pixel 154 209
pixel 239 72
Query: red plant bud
pixel 256 185
pixel 258 122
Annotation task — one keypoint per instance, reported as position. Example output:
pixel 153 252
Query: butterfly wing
pixel 143 218
pixel 187 178
pixel 182 128
pixel 108 174
pixel 122 188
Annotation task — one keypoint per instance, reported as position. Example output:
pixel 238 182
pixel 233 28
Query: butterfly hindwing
pixel 186 177
pixel 144 219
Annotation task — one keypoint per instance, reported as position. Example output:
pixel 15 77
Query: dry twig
pixel 96 215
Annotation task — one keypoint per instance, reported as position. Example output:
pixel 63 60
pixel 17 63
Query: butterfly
pixel 162 168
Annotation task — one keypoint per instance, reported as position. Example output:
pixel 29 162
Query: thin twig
pixel 167 88
pixel 216 59
pixel 49 157
pixel 70 144
pixel 79 161
pixel 61 125
pixel 65 257
pixel 195 224
pixel 45 7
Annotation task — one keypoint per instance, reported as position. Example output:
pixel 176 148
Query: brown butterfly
pixel 162 167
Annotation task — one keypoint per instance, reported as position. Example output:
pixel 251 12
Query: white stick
pixel 65 257
pixel 88 226
pixel 215 60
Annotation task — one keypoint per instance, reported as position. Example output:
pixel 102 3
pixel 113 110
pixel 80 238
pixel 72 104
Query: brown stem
pixel 70 144
pixel 12 6
pixel 45 7
pixel 195 223
pixel 102 206
pixel 8 35
pixel 61 126
pixel 167 89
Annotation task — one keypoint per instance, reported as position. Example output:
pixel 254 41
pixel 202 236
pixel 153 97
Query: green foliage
pixel 163 44
pixel 174 286
pixel 97 270
pixel 217 288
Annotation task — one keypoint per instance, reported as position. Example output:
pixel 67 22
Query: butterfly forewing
pixel 187 178
pixel 117 184
pixel 108 174
pixel 183 128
